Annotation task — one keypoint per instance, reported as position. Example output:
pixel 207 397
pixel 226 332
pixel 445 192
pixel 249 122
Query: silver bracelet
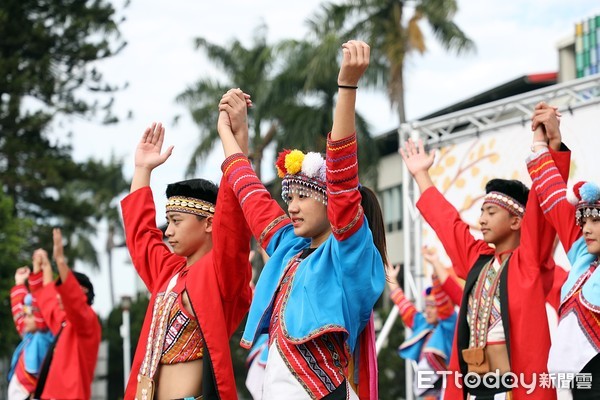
pixel 538 143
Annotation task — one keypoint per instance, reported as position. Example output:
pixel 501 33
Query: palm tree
pixel 392 37
pixel 293 86
pixel 247 68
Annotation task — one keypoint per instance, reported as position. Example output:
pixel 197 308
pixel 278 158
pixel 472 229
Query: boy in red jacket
pixel 66 308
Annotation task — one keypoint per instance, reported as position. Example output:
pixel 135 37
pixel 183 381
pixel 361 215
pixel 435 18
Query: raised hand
pixel 416 158
pixel 59 255
pixel 236 103
pixel 430 255
pixel 545 123
pixel 21 275
pixel 36 260
pixel 355 61
pixel 46 267
pixel 58 252
pixel 392 272
pixel 148 152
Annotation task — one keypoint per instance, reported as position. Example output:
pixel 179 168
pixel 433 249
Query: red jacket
pixel 72 370
pixel 218 285
pixel 526 282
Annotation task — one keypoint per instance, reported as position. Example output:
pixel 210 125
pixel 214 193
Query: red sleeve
pixel 445 307
pixel 406 308
pixel 343 205
pixel 453 289
pixel 79 314
pixel 17 299
pixel 48 302
pixel 454 234
pixel 231 244
pixel 547 171
pixel 35 281
pixel 263 214
pixel 150 255
pixel 537 234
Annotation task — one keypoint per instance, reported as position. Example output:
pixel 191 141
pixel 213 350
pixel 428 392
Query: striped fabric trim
pixel 589 320
pixel 239 178
pixel 270 227
pixel 231 163
pixel 337 171
pixel 405 307
pixel 337 145
pixel 35 281
pixel 354 221
pixel 546 180
pixel 444 305
pixel 250 194
pixel 337 192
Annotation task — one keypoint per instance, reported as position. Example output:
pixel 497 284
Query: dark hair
pixel 86 283
pixel 511 187
pixel 197 188
pixel 372 210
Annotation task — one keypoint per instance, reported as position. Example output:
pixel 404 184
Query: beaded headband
pixel 508 203
pixel 190 205
pixel 586 199
pixel 303 174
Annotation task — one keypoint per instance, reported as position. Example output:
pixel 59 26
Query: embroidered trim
pixel 245 344
pixel 240 178
pixel 409 342
pixel 338 148
pixel 190 205
pixel 336 171
pixel 579 282
pixel 505 201
pixel 346 228
pixel 250 194
pixel 270 227
pixel 293 372
pixel 587 304
pixel 237 160
pixel 342 191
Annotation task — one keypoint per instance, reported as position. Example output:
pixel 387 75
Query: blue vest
pixel 334 288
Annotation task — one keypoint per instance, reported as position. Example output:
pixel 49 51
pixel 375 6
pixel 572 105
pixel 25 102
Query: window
pixel 392 208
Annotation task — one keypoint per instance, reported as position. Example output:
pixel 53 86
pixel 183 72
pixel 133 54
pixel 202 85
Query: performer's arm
pixel 74 300
pixel 77 311
pixel 406 308
pixel 263 215
pixel 549 173
pixel 549 170
pixel 17 298
pixel 453 289
pixel 150 255
pixel 454 234
pixel 443 303
pixel 343 208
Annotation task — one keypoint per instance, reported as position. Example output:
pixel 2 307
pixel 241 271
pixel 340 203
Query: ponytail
pixel 372 210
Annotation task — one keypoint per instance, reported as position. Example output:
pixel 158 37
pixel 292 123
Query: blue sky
pixel 513 38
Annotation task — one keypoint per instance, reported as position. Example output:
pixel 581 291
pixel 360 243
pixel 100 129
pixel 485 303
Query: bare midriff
pixel 180 380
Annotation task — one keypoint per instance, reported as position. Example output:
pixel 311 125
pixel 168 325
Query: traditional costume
pixel 429 345
pixel 506 298
pixel 217 286
pixel 576 344
pixel 315 303
pixel 78 334
pixel 256 363
pixel 29 354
